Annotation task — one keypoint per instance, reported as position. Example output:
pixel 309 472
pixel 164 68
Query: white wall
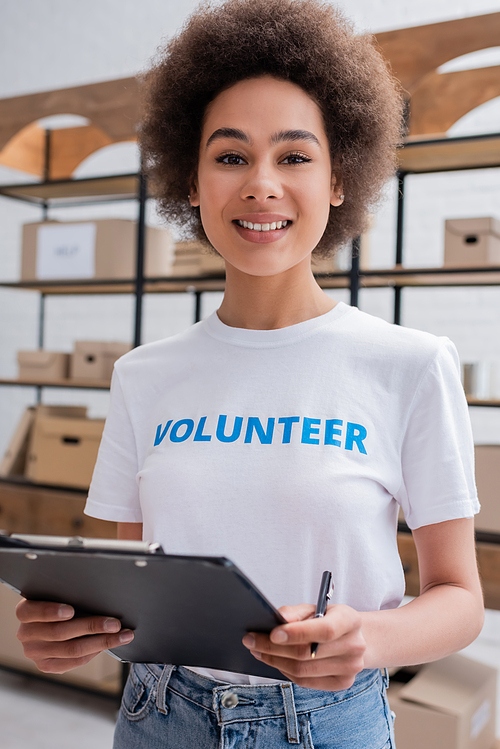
pixel 59 43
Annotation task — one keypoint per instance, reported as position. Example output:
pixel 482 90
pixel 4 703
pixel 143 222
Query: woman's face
pixel 264 183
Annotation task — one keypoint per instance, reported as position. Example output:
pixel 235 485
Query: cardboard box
pixel 94 360
pixel 488 487
pixel 193 259
pixel 50 511
pixel 324 265
pixel 487 470
pixel 74 412
pixel 449 703
pixel 63 449
pixel 14 459
pixel 211 263
pixel 43 366
pixel 101 249
pixel 471 242
pixel 103 672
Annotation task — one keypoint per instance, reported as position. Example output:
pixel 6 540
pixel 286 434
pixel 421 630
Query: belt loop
pixel 292 727
pixel 161 688
pixel 385 677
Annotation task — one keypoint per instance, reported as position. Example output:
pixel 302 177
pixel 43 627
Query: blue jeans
pixel 170 707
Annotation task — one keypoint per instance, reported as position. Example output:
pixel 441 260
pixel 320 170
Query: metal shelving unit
pixel 430 156
pixel 416 157
pixel 427 157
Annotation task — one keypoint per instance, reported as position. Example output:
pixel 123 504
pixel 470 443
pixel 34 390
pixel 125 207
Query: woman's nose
pixel 262 183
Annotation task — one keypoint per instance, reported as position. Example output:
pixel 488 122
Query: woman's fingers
pixel 308 668
pixel 339 657
pixel 66 630
pixel 347 645
pixel 294 639
pixel 331 673
pixel 297 613
pixel 74 649
pixel 42 611
pixel 57 641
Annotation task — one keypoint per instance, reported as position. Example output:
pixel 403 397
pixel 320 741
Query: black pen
pixel 325 593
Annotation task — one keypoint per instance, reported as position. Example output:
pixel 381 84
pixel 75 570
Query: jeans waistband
pixel 243 702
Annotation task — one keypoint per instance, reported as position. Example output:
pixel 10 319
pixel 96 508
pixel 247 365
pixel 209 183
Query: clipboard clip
pixel 75 543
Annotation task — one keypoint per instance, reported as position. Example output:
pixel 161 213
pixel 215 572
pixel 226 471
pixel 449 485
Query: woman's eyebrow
pixel 282 135
pixel 228 132
pixel 294 135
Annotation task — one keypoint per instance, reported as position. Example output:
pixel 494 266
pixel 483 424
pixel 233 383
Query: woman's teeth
pixel 263 227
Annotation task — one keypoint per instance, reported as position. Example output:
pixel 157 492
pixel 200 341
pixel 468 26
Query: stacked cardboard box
pixel 324 265
pixel 14 460
pixel 448 704
pixel 90 361
pixel 94 360
pixel 43 366
pixel 472 242
pixel 101 249
pixel 55 445
pixel 193 259
pixel 487 459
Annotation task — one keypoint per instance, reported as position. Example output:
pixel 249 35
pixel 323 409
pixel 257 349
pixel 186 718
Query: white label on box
pixel 480 718
pixel 65 251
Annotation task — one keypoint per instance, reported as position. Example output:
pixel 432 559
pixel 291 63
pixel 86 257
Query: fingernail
pixel 65 612
pixel 249 641
pixel 279 636
pixel 112 625
pixel 256 655
pixel 126 636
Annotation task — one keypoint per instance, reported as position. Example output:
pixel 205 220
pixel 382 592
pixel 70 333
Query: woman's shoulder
pixel 372 329
pixel 380 338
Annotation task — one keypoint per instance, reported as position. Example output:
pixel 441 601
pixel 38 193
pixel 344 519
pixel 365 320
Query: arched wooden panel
pixel 444 98
pixel 68 148
pixel 415 52
pixel 26 150
pixel 111 106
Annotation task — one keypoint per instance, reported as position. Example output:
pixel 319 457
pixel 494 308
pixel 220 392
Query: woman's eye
pixel 295 158
pixel 233 159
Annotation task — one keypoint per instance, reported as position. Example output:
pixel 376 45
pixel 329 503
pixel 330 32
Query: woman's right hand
pixel 57 642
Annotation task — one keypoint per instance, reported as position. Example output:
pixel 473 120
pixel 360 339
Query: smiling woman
pixel 264 158
pixel 359 101
pixel 286 430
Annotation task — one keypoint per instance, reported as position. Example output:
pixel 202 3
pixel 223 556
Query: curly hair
pixel 307 42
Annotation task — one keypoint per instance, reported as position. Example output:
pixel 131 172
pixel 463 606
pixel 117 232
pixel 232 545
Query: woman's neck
pixel 272 302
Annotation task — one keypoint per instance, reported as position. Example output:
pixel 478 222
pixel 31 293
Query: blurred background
pixel 63 44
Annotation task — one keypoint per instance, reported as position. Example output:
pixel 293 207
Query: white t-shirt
pixel 289 451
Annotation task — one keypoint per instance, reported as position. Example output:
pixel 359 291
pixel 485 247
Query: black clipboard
pixel 184 610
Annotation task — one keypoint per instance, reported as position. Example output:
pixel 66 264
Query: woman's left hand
pixel 340 654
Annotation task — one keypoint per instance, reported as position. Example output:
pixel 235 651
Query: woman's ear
pixel 337 192
pixel 194 197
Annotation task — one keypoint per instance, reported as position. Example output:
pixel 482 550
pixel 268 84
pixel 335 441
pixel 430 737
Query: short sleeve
pixel 437 454
pixel 114 493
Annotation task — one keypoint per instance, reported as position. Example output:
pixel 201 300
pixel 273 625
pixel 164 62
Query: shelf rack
pixel 417 156
pixel 433 155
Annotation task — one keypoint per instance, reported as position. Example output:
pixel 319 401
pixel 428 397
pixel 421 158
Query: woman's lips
pixel 261 237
